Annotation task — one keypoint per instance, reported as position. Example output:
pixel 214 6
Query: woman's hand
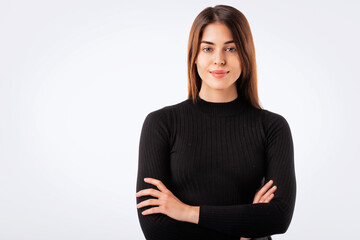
pixel 171 206
pixel 167 203
pixel 264 195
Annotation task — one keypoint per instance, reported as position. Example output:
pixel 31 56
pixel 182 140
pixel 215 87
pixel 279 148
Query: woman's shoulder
pixel 273 121
pixel 270 116
pixel 165 113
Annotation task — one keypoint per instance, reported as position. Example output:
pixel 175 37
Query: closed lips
pixel 219 71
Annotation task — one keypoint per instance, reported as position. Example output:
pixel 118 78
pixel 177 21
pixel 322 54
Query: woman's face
pixel 218 52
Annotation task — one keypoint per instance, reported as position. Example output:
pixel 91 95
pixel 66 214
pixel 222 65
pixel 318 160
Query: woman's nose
pixel 219 58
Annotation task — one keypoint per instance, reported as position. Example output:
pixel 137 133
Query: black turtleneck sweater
pixel 217 156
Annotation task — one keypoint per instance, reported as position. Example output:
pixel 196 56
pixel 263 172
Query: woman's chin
pixel 220 86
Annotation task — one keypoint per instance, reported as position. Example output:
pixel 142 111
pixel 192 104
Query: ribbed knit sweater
pixel 217 156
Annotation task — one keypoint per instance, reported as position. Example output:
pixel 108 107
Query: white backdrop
pixel 77 79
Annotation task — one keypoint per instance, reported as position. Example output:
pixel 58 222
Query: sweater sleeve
pixel 262 219
pixel 154 162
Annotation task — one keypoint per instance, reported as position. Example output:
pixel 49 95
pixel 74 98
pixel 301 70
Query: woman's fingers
pixel 157 183
pixel 166 202
pixel 148 202
pixel 148 191
pixel 152 210
pixel 263 195
pixel 262 191
pixel 269 198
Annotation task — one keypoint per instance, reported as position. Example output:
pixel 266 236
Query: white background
pixel 77 79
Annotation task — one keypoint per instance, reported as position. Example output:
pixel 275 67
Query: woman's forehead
pixel 217 33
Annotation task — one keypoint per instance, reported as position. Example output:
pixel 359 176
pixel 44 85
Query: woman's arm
pixel 262 219
pixel 264 195
pixel 167 203
pixel 154 162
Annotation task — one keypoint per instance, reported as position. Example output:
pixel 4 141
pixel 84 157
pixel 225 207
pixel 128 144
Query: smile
pixel 219 74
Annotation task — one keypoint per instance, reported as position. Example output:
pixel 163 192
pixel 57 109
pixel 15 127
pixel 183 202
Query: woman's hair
pixel 246 84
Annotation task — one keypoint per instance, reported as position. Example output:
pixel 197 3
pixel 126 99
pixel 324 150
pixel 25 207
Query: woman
pixel 207 156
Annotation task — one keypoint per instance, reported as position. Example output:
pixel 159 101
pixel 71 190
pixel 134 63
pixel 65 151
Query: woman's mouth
pixel 219 73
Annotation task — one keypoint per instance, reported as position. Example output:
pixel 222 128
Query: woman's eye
pixel 207 49
pixel 231 49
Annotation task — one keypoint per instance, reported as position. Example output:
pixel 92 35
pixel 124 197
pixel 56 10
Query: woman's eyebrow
pixel 211 43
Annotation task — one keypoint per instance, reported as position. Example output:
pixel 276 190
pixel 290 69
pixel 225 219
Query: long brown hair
pixel 246 84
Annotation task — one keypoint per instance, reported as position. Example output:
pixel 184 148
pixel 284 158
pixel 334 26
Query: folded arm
pixel 154 162
pixel 262 219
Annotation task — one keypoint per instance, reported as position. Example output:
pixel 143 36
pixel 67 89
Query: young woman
pixel 206 158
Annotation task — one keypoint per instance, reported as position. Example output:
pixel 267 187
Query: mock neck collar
pixel 230 108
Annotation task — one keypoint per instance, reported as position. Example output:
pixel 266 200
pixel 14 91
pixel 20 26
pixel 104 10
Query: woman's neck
pixel 218 95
